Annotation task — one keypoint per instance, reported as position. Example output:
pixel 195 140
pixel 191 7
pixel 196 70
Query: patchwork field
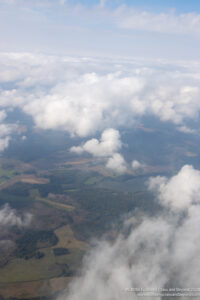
pixel 50 265
pixel 69 206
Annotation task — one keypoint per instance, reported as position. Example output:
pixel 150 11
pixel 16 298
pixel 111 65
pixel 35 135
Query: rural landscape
pixel 69 206
pixel 70 201
pixel 99 149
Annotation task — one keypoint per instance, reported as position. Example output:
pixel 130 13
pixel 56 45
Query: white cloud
pixel 136 165
pixel 9 217
pixel 83 95
pixel 93 101
pixel 109 143
pixel 158 252
pixel 117 163
pixel 186 129
pixel 102 3
pixel 4 142
pixel 107 147
pixel 86 104
pixel 5 131
pixel 2 115
pixel 180 191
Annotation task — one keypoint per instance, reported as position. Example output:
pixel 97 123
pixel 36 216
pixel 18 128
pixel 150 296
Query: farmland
pixel 70 204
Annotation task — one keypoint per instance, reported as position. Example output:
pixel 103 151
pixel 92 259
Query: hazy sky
pixel 141 29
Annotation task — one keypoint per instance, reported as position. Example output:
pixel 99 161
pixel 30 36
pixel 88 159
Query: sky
pixel 154 29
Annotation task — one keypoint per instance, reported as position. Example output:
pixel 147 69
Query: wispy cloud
pixel 171 22
pixel 71 27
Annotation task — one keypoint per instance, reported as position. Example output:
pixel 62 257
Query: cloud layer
pixel 158 252
pixel 84 96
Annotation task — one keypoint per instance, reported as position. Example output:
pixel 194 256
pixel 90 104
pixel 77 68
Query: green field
pixel 49 266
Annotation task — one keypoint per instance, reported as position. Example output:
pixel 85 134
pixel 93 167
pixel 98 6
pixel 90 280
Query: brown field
pixel 68 240
pixel 58 205
pixel 33 180
pixel 79 162
pixel 24 178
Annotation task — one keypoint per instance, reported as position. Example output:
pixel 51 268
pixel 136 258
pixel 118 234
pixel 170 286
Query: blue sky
pixel 151 29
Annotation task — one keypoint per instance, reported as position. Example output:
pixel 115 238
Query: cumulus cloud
pixel 84 96
pixel 84 106
pixel 150 252
pixel 117 163
pixel 180 191
pixel 107 147
pixel 137 166
pixel 89 105
pixel 9 217
pixel 109 143
pixel 5 131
